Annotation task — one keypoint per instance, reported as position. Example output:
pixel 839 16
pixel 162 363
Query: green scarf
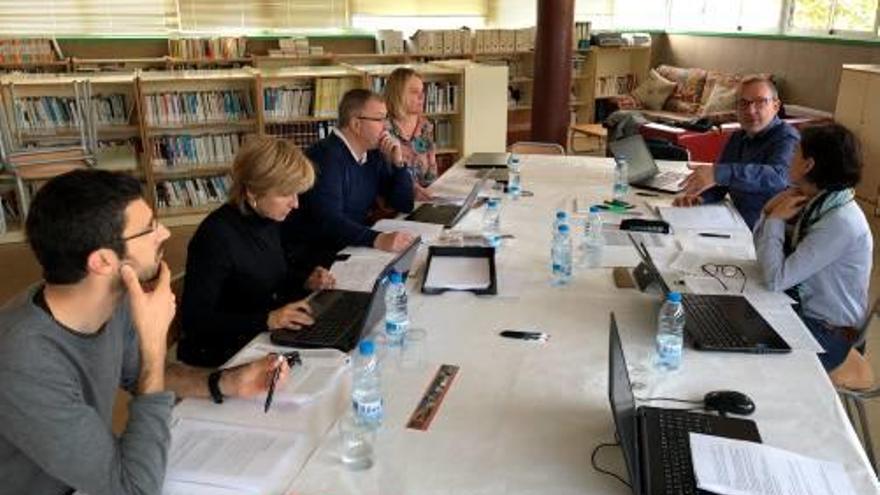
pixel 818 207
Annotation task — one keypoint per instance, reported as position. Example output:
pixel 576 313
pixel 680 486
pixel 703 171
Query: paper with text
pixel 246 459
pixel 360 270
pixel 708 217
pixel 427 231
pixel 736 467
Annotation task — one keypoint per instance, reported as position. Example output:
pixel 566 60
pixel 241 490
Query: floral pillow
pixel 688 90
pixel 654 91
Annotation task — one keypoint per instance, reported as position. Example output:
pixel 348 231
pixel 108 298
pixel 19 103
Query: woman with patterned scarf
pixel 813 241
pixel 405 97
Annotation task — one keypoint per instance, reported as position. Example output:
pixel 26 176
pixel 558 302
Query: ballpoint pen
pixel 292 360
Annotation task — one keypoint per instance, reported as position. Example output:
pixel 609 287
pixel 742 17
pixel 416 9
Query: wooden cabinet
pixel 858 108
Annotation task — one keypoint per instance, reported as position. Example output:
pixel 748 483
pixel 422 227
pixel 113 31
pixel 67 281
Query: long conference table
pixel 523 417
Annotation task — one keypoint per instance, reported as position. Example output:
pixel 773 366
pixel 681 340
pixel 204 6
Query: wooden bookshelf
pixel 156 135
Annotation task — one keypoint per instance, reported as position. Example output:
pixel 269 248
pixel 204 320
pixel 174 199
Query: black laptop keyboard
pixel 675 451
pixel 335 321
pixel 710 327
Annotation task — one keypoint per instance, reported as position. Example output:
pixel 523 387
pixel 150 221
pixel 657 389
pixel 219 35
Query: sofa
pixel 676 94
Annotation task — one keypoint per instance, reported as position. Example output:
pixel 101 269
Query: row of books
pixel 172 151
pixel 504 40
pixel 440 96
pixel 193 192
pixel 441 41
pixel 51 112
pixel 582 35
pixel 288 102
pixel 169 109
pixel 615 85
pixel 303 134
pixel 328 93
pixel 443 134
pixel 208 48
pixel 29 50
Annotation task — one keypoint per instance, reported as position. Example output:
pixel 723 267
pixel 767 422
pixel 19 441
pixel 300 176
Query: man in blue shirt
pixel 359 162
pixel 753 166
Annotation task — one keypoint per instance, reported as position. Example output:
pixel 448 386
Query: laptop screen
pixel 649 263
pixel 636 153
pixel 623 405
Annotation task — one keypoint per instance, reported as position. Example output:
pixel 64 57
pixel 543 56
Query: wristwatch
pixel 214 386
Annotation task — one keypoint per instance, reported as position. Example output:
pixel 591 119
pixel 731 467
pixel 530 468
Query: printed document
pixel 708 217
pixel 427 231
pixel 736 467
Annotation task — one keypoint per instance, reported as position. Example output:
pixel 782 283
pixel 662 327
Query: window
pixel 85 17
pixel 641 14
pixel 726 16
pixel 260 16
pixel 856 17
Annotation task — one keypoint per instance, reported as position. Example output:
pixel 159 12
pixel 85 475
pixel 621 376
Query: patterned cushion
pixel 721 97
pixel 688 89
pixel 654 91
pixel 625 102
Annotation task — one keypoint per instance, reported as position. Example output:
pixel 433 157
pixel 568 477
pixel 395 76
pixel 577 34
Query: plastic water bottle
pixel 592 243
pixel 621 180
pixel 514 180
pixel 492 221
pixel 396 316
pixel 366 391
pixel 670 333
pixel 560 255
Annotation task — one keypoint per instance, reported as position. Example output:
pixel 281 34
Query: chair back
pixel 856 373
pixel 536 148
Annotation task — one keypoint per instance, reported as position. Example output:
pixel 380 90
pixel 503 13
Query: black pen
pixel 650 195
pixel 712 234
pixel 292 360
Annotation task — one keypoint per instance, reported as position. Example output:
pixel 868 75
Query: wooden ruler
pixel 432 398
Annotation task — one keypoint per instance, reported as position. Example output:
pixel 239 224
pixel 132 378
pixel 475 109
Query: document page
pixel 231 456
pixel 708 217
pixel 459 273
pixel 359 271
pixel 736 467
pixel 427 231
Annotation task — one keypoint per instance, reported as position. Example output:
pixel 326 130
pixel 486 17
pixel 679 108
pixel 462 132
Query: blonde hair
pixel 394 90
pixel 267 164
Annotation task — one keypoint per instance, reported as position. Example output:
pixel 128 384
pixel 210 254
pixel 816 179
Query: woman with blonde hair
pixel 238 281
pixel 405 98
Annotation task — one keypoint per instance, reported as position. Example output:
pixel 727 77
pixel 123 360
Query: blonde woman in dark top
pixel 405 98
pixel 238 280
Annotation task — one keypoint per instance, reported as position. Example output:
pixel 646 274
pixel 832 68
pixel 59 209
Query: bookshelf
pixel 193 124
pixel 178 131
pixel 300 103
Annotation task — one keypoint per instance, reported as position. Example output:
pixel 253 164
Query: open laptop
pixel 642 170
pixel 486 160
pixel 342 317
pixel 655 441
pixel 718 322
pixel 445 214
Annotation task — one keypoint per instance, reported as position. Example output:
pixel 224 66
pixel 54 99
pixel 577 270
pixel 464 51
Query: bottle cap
pixel 674 297
pixel 594 209
pixel 395 277
pixel 561 214
pixel 493 201
pixel 366 348
pixel 563 228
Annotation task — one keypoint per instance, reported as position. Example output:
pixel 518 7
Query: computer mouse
pixel 729 402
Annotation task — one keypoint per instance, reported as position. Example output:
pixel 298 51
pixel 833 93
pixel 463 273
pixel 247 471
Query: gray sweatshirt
pixel 56 399
pixel 832 264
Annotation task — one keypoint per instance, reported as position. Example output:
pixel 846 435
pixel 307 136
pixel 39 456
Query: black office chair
pixel 664 150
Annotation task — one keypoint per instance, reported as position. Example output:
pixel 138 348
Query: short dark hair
pixel 760 79
pixel 353 102
pixel 75 214
pixel 835 150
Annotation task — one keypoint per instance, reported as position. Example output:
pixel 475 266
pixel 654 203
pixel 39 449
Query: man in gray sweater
pixel 98 322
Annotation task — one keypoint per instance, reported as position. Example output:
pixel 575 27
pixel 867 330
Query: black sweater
pixel 236 273
pixel 344 192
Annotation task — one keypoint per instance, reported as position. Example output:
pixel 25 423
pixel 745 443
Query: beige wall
pixel 809 70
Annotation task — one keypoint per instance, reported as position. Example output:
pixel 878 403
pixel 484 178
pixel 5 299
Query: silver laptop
pixel 643 171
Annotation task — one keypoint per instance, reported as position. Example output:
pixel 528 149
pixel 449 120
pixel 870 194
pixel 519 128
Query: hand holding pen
pixel 282 363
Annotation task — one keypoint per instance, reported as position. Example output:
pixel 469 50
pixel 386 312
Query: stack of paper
pixel 708 217
pixel 737 467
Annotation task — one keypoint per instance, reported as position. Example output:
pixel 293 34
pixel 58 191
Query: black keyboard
pixel 336 322
pixel 710 326
pixel 675 452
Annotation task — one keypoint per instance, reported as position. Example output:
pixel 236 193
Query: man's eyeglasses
pixel 154 225
pixel 373 119
pixel 725 272
pixel 759 103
